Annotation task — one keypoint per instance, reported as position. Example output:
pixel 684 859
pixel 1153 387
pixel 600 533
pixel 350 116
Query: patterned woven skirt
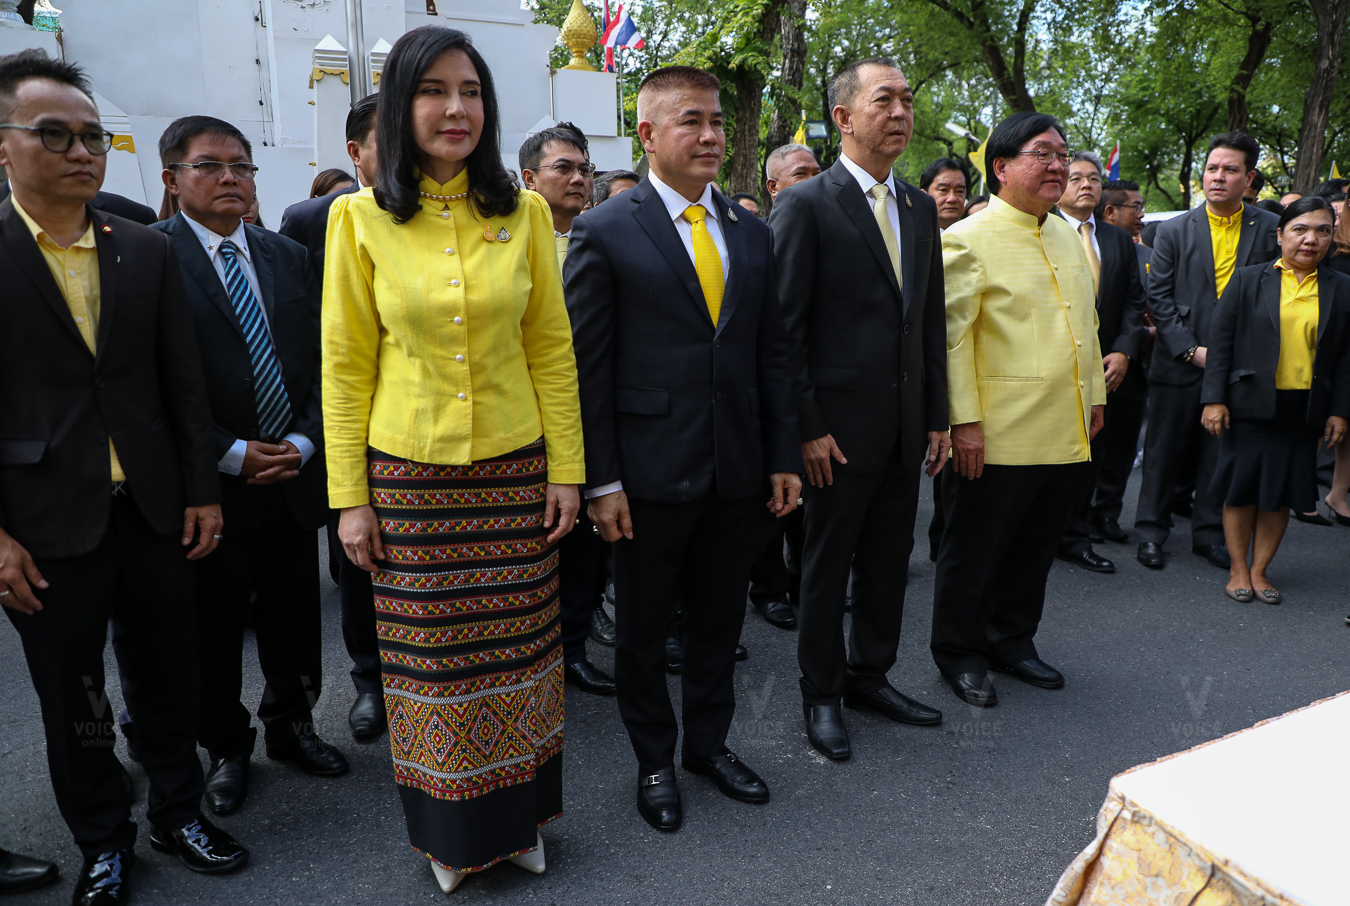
pixel 468 617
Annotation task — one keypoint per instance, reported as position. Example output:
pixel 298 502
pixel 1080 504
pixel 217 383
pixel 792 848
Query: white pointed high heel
pixel 532 861
pixel 448 879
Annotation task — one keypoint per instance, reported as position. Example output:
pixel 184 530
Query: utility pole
pixel 358 65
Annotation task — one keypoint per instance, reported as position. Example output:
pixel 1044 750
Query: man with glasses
pixel 106 201
pixel 1123 206
pixel 255 302
pixel 108 485
pixel 1027 391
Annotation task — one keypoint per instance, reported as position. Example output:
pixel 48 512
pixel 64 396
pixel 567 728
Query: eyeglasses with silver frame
pixel 215 169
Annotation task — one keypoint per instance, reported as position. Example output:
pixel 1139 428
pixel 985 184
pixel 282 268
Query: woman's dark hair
pixel 329 181
pixel 976 199
pixel 494 188
pixel 1010 135
pixel 1306 205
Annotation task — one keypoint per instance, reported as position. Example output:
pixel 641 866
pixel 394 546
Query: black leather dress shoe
pixel 777 613
pixel 201 846
pixel 825 730
pixel 602 627
pixel 895 705
pixel 734 778
pixel 974 689
pixel 658 800
pixel 227 784
pixel 589 678
pixel 741 652
pixel 19 873
pixel 367 718
pixel 674 656
pixel 1216 554
pixel 1110 530
pixel 1033 672
pixel 1150 554
pixel 1313 519
pixel 104 879
pixel 1088 559
pixel 310 754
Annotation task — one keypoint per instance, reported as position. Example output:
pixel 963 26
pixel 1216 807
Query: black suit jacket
pixel 673 406
pixel 291 299
pixel 113 204
pixel 306 222
pixel 870 359
pixel 59 402
pixel 1244 346
pixel 1181 286
pixel 1120 292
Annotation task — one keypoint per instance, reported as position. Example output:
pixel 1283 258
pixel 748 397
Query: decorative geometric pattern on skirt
pixel 468 619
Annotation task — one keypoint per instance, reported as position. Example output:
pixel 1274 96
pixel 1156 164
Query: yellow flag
pixel 977 159
pixel 1335 172
pixel 800 136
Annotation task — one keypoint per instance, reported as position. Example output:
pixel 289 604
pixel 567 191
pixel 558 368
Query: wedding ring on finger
pixel 800 501
pixel 217 537
pixel 4 593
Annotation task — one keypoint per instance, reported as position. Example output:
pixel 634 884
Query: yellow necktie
pixel 1094 263
pixel 879 193
pixel 707 261
pixel 561 243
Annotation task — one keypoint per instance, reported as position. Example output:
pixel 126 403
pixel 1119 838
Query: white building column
pixel 332 100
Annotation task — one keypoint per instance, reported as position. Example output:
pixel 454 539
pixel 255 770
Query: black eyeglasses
pixel 59 139
pixel 566 168
pixel 214 169
pixel 1046 158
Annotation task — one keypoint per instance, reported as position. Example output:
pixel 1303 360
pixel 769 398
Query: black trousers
pixel 700 552
pixel 583 557
pixel 938 523
pixel 1002 532
pixel 1175 437
pixel 866 523
pixel 1124 417
pixel 1110 440
pixel 358 614
pixel 143 583
pixel 268 552
pixel 776 576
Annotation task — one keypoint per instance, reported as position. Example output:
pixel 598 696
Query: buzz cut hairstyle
pixel 780 154
pixel 17 68
pixel 531 152
pixel 846 83
pixel 671 78
pixel 1115 192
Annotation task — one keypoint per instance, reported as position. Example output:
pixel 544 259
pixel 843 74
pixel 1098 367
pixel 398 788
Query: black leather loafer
pixel 310 754
pixel 674 656
pixel 734 778
pixel 658 800
pixel 367 718
pixel 825 730
pixel 974 689
pixel 1089 560
pixel 589 678
pixel 1111 531
pixel 1033 672
pixel 104 879
pixel 227 784
pixel 742 652
pixel 895 705
pixel 602 627
pixel 1216 554
pixel 1150 554
pixel 777 613
pixel 19 873
pixel 201 846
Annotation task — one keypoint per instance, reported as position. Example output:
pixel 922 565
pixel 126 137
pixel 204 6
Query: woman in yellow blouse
pixel 1277 377
pixel 453 435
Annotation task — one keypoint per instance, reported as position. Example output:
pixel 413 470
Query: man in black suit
pixel 1194 255
pixel 107 478
pixel 255 301
pixel 307 223
pixel 117 205
pixel 687 404
pixel 860 278
pixel 1120 317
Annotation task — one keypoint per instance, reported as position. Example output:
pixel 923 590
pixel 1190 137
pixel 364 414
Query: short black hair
pixel 18 68
pixel 1331 187
pixel 361 118
pixel 1008 137
pixel 1114 193
pixel 746 196
pixel 845 84
pixel 173 144
pixel 1258 182
pixel 1271 205
pixel 1306 205
pixel 976 199
pixel 532 151
pixel 942 165
pixel 1236 141
pixel 605 180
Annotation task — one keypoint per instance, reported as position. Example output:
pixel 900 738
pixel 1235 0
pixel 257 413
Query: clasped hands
pixel 270 463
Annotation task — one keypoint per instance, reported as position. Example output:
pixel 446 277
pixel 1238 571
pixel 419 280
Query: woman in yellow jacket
pixel 454 451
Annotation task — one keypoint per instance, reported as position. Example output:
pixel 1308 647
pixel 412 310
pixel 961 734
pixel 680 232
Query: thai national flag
pixel 1113 163
pixel 620 31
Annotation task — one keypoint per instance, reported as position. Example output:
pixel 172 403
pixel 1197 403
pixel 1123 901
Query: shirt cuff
pixel 592 493
pixel 232 463
pixel 301 443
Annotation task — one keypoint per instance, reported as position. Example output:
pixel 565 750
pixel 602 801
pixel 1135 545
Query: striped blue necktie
pixel 274 407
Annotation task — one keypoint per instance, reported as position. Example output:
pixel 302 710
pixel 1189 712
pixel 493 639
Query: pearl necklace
pixel 435 197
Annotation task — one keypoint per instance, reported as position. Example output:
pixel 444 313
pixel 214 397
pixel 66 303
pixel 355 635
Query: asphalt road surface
pixel 985 810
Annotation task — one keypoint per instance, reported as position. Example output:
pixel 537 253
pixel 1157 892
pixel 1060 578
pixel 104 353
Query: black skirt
pixel 1270 463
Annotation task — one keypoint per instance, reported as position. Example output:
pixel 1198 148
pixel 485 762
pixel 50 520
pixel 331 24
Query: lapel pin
pixel 107 229
pixel 502 235
pixel 732 215
pixel 488 234
pixel 908 203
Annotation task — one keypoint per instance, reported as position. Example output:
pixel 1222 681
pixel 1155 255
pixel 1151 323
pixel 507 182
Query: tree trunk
pixel 1331 15
pixel 1010 80
pixel 783 125
pixel 744 173
pixel 1258 42
pixel 1187 161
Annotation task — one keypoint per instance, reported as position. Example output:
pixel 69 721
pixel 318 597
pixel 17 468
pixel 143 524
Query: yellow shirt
pixel 445 339
pixel 1023 357
pixel 1299 313
pixel 1224 233
pixel 75 270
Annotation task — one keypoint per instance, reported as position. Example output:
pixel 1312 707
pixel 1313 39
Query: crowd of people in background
pixel 510 399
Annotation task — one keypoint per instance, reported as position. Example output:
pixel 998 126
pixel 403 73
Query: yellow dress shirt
pixel 1023 357
pixel 561 243
pixel 1224 233
pixel 1299 313
pixel 445 339
pixel 75 270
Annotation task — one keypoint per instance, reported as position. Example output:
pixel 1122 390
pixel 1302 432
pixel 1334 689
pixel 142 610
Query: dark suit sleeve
pixel 777 382
pixel 1133 329
pixel 589 289
pixel 794 248
pixel 183 387
pixel 1223 334
pixel 937 414
pixel 1176 338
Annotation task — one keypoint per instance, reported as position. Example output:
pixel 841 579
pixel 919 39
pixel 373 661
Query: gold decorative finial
pixel 579 34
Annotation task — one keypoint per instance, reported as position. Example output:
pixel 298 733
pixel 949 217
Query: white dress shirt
pixel 1077 224
pixel 866 182
pixel 232 463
